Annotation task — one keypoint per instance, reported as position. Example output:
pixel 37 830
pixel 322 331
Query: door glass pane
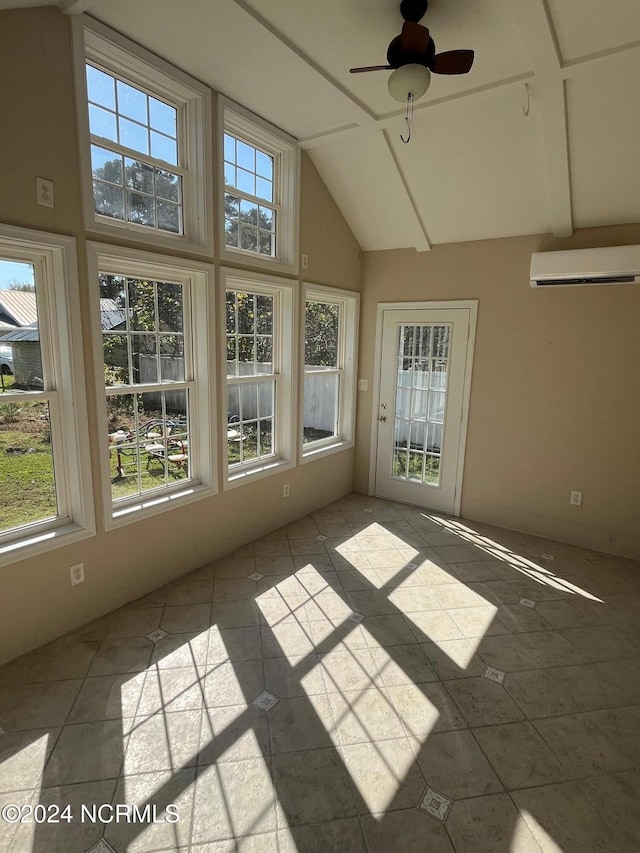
pixel 421 388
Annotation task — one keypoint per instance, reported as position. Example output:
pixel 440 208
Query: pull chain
pixel 408 117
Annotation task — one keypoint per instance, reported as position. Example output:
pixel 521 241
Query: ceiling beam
pixel 421 245
pixel 76 7
pixel 532 19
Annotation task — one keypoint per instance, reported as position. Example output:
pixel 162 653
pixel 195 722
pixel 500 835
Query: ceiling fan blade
pixel 452 62
pixel 414 37
pixel 371 68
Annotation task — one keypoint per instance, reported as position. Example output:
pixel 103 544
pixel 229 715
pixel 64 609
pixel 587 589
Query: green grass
pixel 27 490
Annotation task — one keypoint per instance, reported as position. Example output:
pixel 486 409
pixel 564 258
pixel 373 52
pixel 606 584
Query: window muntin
pixel 145 344
pixel 252 377
pixel 146 187
pixel 249 199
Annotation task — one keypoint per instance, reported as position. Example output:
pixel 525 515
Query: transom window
pixel 259 199
pixel 137 188
pixel 145 131
pixel 249 210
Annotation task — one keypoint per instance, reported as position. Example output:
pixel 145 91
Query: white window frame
pixel 239 122
pixel 284 292
pixel 54 260
pixel 97 44
pixel 348 303
pixel 198 278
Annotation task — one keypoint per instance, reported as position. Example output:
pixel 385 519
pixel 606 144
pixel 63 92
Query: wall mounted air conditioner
pixel 611 265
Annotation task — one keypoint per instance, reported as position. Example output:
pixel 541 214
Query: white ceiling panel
pixel 584 27
pixel 363 180
pixel 222 45
pixel 604 141
pixel 340 34
pixel 474 167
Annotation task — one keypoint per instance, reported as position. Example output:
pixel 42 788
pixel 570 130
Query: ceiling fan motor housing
pixel 413 10
pixel 397 56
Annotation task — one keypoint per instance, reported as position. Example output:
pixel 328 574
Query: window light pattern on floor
pixel 371 716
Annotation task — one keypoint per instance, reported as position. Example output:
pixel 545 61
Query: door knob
pixel 382 418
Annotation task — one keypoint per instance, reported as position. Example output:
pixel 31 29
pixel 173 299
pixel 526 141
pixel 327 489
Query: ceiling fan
pixel 414 46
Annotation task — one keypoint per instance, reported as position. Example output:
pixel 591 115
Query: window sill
pixel 152 505
pixel 149 238
pixel 239 478
pixel 40 543
pixel 266 263
pixel 313 453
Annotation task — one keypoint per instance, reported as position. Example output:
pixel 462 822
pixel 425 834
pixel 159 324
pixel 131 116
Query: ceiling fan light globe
pixel 409 80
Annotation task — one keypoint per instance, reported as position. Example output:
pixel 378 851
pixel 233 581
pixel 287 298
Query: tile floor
pixel 438 686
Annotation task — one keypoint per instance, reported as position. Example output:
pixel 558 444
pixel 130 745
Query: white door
pixel 425 370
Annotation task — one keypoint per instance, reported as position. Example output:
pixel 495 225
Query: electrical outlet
pixel 77 574
pixel 576 499
pixel 363 384
pixel 44 192
pixel 285 491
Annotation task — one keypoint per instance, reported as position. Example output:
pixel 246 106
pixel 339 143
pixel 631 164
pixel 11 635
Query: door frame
pixel 470 305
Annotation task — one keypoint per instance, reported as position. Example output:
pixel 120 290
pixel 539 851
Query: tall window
pixel 148 128
pixel 152 316
pixel 259 332
pixel 329 368
pixel 259 202
pixel 43 489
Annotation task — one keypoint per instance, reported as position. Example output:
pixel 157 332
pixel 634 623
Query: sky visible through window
pixel 15 272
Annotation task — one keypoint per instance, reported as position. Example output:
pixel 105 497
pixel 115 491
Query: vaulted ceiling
pixel 541 136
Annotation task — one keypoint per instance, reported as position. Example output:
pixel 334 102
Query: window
pixel 44 462
pixel 260 168
pixel 147 128
pixel 259 334
pixel 151 314
pixel 330 325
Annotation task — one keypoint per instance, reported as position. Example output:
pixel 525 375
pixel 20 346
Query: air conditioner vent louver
pixel 610 265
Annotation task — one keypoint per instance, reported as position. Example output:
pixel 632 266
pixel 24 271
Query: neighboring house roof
pixel 110 316
pixel 19 305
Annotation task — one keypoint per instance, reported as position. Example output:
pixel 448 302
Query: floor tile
pixel 388 630
pixel 336 835
pixel 164 741
pixel 600 643
pixel 582 745
pixel 425 708
pixel 551 648
pixel 478 621
pixel 301 723
pixel 349 670
pixel 363 716
pixel 312 786
pixel 233 733
pixel 36 706
pixel 518 754
pixel 455 658
pixel 434 625
pixel 86 752
pixel 403 665
pixel 190 592
pixel 454 765
pixel 483 702
pixel 222 808
pixel 23 756
pixel 417 830
pixel 108 697
pixel 615 797
pixel 590 687
pixel 539 694
pixel 489 824
pixel 385 775
pixel 184 618
pixel 116 656
pixel 564 814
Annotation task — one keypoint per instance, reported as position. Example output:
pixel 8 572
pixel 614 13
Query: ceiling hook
pixel 408 139
pixel 408 117
pixel 526 110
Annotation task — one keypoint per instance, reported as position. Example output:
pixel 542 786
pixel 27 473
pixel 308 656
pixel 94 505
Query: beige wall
pixel 38 138
pixel 555 402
